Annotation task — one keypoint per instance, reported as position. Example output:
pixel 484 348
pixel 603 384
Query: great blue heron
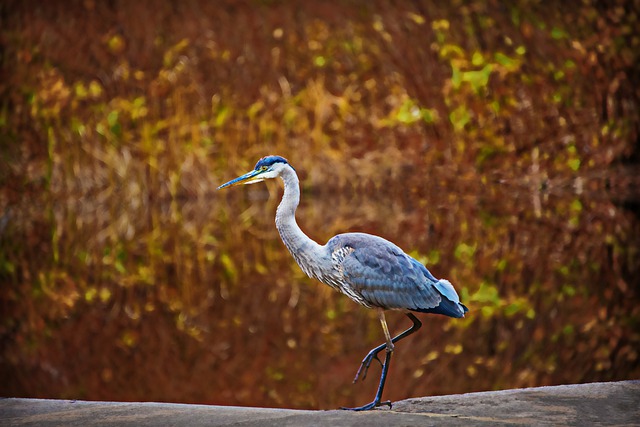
pixel 368 269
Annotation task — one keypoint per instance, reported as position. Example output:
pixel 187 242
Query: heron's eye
pixel 264 168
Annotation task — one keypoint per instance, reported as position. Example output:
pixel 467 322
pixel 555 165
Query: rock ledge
pixel 615 403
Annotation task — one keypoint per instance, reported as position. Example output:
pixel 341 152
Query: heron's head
pixel 266 168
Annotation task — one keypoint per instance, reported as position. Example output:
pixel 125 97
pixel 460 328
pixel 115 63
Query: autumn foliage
pixel 497 142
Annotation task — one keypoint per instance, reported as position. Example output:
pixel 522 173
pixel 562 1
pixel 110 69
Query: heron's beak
pixel 248 178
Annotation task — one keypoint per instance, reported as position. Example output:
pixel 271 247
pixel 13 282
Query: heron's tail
pixel 450 304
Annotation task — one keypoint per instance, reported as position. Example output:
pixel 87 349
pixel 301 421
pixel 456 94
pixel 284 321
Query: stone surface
pixel 616 403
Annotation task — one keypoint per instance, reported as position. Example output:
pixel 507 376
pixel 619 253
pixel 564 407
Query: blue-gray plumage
pixel 382 275
pixel 368 269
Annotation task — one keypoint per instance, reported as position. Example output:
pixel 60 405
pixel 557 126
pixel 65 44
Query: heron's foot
pixel 369 406
pixel 364 366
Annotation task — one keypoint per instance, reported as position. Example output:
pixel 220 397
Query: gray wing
pixel 383 275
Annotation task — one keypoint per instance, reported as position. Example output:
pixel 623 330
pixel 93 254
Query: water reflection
pixel 195 299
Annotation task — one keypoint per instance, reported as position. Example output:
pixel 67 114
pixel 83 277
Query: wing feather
pixel 384 276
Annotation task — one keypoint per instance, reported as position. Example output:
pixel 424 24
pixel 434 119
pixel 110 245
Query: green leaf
pixel 511 309
pixel 459 118
pixel 477 59
pixel 456 77
pixel 487 293
pixel 478 79
pixel 320 61
pixel 429 115
pixel 558 33
pixel 574 164
pixel 112 118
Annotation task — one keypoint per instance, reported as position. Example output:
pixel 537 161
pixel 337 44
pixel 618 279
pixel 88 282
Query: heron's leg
pixel 385 329
pixel 387 361
pixel 373 354
pixel 383 377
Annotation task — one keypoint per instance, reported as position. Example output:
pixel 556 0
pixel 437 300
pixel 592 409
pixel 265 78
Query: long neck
pixel 305 251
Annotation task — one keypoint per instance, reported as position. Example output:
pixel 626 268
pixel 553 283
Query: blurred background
pixel 497 143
